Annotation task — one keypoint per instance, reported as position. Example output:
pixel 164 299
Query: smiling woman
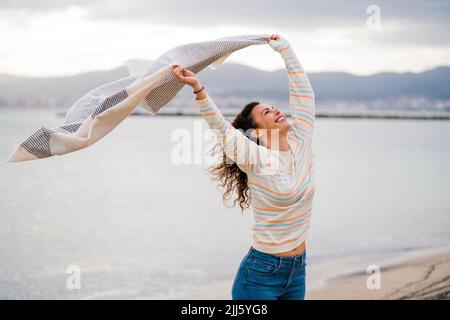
pixel 275 175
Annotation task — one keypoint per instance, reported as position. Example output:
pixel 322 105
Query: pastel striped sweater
pixel 281 197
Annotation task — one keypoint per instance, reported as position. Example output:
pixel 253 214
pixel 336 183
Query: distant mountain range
pixel 233 84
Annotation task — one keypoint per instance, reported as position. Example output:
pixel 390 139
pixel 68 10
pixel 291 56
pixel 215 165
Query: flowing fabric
pixel 100 110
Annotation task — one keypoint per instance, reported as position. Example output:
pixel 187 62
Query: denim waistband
pixel 299 259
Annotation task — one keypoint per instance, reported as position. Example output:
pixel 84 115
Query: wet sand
pixel 419 278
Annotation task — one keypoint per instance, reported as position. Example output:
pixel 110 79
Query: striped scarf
pixel 99 111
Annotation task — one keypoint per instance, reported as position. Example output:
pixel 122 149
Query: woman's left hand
pixel 275 37
pixel 277 42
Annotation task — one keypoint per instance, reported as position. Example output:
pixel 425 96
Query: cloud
pixel 72 36
pixel 40 5
pixel 417 21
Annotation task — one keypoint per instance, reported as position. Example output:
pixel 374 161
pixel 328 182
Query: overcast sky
pixel 59 37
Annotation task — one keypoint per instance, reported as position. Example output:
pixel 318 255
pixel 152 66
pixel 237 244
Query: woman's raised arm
pixel 301 94
pixel 243 151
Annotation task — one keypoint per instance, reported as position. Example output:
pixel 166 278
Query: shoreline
pixel 418 274
pixel 395 115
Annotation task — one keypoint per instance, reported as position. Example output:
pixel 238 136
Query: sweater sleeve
pixel 240 149
pixel 301 94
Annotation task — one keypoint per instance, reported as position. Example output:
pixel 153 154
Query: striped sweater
pixel 281 197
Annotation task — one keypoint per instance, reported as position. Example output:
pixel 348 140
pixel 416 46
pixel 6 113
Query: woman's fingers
pixel 177 68
pixel 177 71
pixel 177 74
pixel 275 37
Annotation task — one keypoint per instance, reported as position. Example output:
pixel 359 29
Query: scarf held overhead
pixel 100 110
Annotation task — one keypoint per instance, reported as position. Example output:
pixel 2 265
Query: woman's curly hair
pixel 227 172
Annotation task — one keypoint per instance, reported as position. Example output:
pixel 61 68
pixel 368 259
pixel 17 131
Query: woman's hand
pixel 277 42
pixel 185 76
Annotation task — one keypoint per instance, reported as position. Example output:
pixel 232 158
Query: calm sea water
pixel 138 225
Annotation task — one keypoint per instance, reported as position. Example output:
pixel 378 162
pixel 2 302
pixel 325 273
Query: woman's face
pixel 269 117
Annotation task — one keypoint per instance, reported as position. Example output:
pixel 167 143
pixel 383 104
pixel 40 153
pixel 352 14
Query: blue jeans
pixel 263 276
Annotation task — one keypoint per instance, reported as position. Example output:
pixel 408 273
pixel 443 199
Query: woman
pixel 271 168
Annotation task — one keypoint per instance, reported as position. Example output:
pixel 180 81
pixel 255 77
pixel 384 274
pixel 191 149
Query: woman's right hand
pixel 185 75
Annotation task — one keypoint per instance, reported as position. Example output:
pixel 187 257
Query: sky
pixel 58 37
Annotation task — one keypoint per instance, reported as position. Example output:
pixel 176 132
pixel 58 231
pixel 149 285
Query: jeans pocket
pixel 261 267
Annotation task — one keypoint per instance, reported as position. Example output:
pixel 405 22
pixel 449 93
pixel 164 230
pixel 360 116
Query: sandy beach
pixel 417 278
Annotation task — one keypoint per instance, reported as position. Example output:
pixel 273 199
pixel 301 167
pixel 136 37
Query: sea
pixel 129 218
